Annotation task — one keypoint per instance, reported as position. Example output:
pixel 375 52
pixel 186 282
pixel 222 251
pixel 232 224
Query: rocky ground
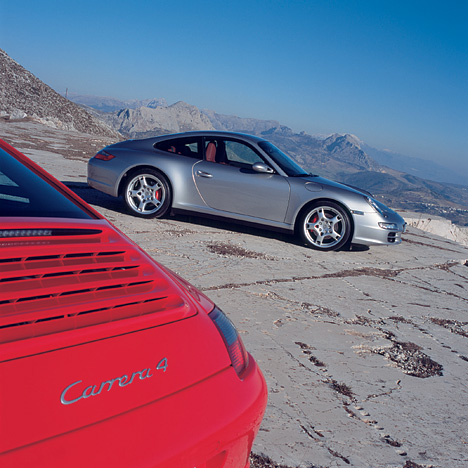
pixel 438 225
pixel 365 352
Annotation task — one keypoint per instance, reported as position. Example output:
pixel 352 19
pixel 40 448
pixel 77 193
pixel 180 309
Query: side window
pixel 232 152
pixel 184 146
pixel 240 154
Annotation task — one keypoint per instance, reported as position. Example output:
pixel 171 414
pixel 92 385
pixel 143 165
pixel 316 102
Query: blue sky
pixel 394 73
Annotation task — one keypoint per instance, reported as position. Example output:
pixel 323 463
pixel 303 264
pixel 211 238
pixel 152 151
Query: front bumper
pixel 367 230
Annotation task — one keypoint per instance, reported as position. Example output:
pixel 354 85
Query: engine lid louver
pixel 76 277
pixel 12 233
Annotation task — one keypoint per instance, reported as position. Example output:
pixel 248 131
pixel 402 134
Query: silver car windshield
pixel 285 162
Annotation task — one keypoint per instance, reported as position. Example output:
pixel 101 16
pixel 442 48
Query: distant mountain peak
pixel 143 121
pixel 357 141
pixel 111 104
pixel 280 130
pixel 344 138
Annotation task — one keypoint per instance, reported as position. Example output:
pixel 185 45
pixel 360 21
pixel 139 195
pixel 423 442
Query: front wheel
pixel 325 226
pixel 147 194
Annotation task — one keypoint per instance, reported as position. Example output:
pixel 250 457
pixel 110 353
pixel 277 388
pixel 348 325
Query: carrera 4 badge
pixel 94 390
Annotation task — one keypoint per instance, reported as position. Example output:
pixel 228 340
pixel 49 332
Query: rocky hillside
pixel 330 157
pixel 23 95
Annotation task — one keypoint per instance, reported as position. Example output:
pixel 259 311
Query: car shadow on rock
pixel 100 199
pixel 95 198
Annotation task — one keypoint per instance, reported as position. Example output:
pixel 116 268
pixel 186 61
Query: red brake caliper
pixel 314 219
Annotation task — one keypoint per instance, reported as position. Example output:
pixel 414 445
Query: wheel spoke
pixel 135 193
pixel 322 215
pixel 141 205
pixel 143 182
pixel 319 239
pixel 336 220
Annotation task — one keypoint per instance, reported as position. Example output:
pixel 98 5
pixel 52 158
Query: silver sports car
pixel 243 178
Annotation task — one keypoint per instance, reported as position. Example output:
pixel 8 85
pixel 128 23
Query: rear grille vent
pixel 52 261
pixel 61 274
pixel 60 317
pixel 53 288
pixel 11 233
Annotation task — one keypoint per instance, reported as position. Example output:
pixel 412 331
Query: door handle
pixel 204 174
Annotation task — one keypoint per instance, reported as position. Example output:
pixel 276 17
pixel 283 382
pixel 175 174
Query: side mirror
pixel 261 167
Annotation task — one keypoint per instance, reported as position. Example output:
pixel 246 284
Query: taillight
pixel 104 156
pixel 232 340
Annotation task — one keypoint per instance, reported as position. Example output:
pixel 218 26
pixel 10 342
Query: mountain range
pixel 164 118
pixel 395 179
pixel 110 104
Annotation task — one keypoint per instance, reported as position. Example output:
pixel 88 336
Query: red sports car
pixel 106 357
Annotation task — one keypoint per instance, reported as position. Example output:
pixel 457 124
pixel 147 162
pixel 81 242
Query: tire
pixel 325 226
pixel 147 194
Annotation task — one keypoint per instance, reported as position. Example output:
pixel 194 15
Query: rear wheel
pixel 147 194
pixel 325 226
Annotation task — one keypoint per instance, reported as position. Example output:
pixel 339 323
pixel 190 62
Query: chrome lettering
pixel 162 365
pixel 85 394
pixel 110 382
pixel 95 390
pixel 124 378
pixel 69 402
pixel 124 384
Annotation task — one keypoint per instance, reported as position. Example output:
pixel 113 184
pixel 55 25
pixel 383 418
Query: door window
pixel 237 152
pixel 232 152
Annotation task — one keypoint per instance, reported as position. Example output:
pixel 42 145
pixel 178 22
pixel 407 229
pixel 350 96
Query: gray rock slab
pixel 365 352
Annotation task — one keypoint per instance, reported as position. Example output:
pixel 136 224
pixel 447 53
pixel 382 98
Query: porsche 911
pixel 244 179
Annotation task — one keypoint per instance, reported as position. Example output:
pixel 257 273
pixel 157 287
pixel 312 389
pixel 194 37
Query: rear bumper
pixel 101 177
pixel 209 425
pixel 98 185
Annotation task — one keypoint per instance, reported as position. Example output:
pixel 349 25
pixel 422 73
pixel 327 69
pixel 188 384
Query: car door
pixel 228 183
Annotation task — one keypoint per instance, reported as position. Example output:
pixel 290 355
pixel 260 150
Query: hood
pixel 321 182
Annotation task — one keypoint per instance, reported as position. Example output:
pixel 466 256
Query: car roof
pixel 215 133
pixel 204 133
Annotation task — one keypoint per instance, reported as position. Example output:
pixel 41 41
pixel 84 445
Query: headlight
pixel 389 226
pixel 374 205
